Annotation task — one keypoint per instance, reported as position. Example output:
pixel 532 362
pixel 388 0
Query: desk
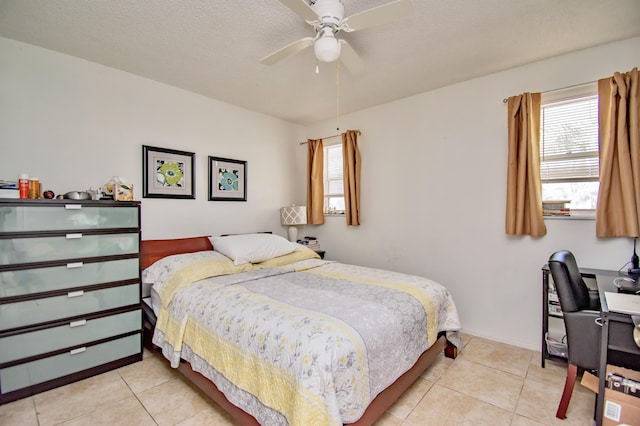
pixel 616 346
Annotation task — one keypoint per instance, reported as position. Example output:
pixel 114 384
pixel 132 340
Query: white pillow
pixel 254 248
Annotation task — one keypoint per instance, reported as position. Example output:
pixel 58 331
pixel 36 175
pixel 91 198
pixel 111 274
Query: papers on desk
pixel 623 302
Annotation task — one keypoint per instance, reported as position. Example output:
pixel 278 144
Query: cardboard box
pixel 619 408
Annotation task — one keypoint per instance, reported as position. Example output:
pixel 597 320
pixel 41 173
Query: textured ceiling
pixel 213 47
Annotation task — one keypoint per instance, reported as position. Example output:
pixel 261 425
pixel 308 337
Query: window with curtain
pixel 333 180
pixel 569 163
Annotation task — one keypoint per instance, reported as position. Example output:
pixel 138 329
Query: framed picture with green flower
pixel 168 173
pixel 227 179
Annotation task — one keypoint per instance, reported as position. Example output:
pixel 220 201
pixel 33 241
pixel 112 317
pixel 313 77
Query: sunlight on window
pixel 333 182
pixel 569 163
pixel 583 195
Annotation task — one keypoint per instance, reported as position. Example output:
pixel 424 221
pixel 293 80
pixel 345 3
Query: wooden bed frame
pixel 154 250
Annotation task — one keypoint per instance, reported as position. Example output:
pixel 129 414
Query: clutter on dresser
pixel 9 189
pixel 117 188
pixel 95 194
pixel 123 192
pixel 34 188
pixel 77 195
pixel 25 187
pixel 29 187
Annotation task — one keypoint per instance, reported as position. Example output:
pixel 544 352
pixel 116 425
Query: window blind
pixel 569 140
pixel 334 181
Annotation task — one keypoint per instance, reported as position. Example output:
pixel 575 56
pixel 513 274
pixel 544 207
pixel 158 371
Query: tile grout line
pixel 523 378
pixel 135 395
pixel 35 409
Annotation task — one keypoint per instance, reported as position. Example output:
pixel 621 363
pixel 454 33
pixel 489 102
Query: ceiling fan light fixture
pixel 327 19
pixel 327 49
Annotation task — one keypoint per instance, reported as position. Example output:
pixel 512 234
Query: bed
pixel 290 338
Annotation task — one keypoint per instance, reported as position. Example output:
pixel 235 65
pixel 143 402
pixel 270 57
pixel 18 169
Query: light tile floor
pixel 489 383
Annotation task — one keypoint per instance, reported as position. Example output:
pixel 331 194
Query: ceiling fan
pixel 327 19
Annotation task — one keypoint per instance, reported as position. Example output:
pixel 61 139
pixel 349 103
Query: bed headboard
pixel 154 250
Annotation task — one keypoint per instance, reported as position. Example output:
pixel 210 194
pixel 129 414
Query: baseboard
pixel 518 343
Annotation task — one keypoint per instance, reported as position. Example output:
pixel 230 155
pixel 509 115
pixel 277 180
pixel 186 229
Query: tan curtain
pixel 315 182
pixel 524 188
pixel 618 210
pixel 351 176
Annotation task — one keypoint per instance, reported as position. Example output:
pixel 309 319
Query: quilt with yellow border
pixel 311 342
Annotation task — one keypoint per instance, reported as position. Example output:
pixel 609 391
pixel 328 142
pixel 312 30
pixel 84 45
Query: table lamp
pixel 293 216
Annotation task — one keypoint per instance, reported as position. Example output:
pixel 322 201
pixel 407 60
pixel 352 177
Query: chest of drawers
pixel 69 292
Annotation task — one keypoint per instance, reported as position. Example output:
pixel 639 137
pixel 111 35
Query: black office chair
pixel 580 310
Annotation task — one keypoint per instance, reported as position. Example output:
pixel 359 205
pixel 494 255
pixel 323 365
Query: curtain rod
pixel 329 137
pixel 505 100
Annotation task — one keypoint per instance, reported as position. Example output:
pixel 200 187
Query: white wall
pixel 433 195
pixel 74 124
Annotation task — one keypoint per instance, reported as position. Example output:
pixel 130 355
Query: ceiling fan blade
pixel 378 15
pixel 288 50
pixel 301 8
pixel 350 58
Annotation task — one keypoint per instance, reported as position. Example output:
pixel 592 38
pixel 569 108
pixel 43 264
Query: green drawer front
pixel 63 217
pixel 73 334
pixel 18 283
pixel 16 251
pixel 32 373
pixel 75 303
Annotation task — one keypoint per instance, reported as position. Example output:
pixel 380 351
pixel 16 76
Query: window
pixel 333 183
pixel 569 163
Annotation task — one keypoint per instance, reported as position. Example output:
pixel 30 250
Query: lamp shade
pixel 294 215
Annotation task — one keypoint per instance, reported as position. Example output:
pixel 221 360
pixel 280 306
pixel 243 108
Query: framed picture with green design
pixel 227 179
pixel 168 173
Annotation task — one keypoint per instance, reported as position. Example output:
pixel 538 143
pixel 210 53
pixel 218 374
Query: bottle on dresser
pixel 23 185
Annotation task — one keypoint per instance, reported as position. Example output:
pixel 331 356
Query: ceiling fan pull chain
pixel 338 95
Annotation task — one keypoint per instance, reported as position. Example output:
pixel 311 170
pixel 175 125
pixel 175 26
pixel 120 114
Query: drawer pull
pixel 74 265
pixel 77 323
pixel 77 350
pixel 75 293
pixel 72 206
pixel 73 236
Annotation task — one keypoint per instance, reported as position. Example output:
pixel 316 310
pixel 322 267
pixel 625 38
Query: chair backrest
pixel 572 291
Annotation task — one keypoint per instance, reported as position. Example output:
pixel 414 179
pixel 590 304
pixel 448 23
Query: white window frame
pixel 328 195
pixel 558 97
